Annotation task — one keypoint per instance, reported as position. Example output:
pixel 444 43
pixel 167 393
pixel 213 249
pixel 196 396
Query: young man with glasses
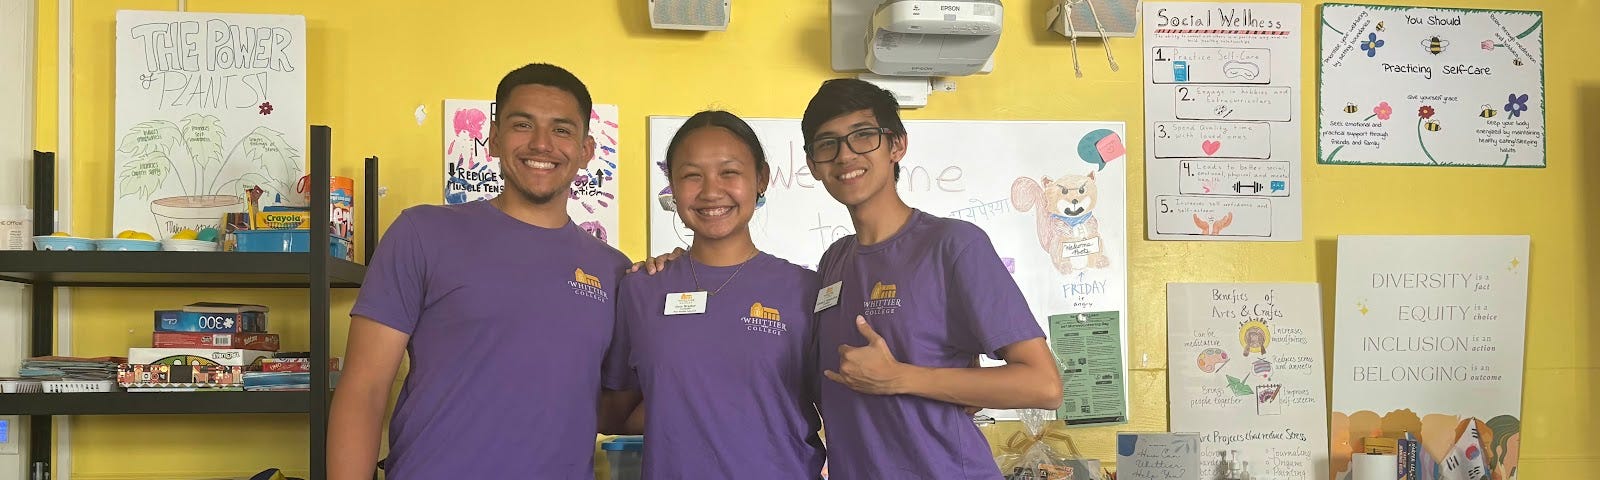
pixel 907 302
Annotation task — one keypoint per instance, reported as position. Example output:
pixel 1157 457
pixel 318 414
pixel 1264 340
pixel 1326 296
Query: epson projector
pixel 933 37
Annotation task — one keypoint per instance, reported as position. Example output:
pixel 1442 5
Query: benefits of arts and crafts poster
pixel 1431 86
pixel 1222 121
pixel 1247 374
pixel 471 174
pixel 1428 339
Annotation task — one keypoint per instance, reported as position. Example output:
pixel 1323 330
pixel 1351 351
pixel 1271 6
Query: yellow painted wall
pixel 372 62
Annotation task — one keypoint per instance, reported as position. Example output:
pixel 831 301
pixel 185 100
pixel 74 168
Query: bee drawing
pixel 1516 61
pixel 1379 27
pixel 1488 111
pixel 1434 44
pixel 1431 125
pixel 1351 108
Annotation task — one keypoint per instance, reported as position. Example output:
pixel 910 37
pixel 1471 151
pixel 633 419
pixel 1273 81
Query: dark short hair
pixel 843 96
pixel 721 119
pixel 549 76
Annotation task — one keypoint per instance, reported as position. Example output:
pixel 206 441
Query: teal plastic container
pixel 286 241
pixel 626 456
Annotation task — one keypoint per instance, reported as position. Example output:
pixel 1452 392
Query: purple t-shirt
pixel 509 325
pixel 729 393
pixel 939 295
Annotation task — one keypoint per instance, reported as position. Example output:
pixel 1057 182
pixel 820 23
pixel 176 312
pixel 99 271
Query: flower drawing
pixel 1488 45
pixel 1383 110
pixel 1372 44
pixel 265 108
pixel 1516 104
pixel 1425 112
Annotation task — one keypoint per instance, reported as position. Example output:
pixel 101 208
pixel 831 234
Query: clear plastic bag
pixel 1044 451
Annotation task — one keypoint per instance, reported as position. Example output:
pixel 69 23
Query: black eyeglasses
pixel 826 149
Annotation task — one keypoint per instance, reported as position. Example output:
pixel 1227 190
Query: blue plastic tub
pixel 286 241
pixel 625 455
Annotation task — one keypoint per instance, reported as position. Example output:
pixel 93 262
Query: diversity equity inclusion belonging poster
pixel 1247 373
pixel 1428 339
pixel 471 174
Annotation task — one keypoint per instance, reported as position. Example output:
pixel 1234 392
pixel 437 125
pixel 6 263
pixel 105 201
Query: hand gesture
pixel 870 369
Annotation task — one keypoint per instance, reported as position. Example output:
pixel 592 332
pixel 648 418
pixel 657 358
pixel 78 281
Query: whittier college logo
pixel 588 285
pixel 885 300
pixel 765 320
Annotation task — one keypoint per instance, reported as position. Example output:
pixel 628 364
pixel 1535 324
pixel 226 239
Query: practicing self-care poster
pixel 1431 87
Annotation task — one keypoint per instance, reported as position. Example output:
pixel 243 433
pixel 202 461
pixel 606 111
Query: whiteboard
pixel 1431 87
pixel 958 169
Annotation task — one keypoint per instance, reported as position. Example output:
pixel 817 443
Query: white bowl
pixel 176 245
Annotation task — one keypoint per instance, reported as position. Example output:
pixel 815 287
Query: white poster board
pixel 1428 339
pixel 471 174
pixel 208 105
pixel 1431 87
pixel 1247 371
pixel 1222 121
pixel 990 173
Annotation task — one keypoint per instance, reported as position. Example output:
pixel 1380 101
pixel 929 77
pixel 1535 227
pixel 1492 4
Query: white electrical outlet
pixel 8 434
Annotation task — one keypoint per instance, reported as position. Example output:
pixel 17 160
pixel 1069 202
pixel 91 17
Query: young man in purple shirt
pixel 720 343
pixel 917 298
pixel 505 307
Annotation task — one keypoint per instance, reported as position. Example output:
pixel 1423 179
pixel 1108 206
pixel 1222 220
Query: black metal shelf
pixel 172 269
pixel 314 271
pixel 130 403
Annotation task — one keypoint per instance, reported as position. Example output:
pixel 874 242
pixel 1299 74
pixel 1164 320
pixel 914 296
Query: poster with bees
pixel 1246 369
pixel 208 106
pixel 1431 87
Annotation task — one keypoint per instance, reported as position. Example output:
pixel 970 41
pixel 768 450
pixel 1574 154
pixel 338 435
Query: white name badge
pixel 684 303
pixel 828 296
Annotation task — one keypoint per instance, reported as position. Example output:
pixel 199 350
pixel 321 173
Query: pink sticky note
pixel 1110 148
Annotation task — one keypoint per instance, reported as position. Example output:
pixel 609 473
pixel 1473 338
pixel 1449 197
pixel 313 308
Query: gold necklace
pixel 724 282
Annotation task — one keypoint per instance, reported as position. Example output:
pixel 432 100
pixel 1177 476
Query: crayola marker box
pixel 279 218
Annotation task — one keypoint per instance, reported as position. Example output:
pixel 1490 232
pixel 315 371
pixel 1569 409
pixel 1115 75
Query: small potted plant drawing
pixel 188 157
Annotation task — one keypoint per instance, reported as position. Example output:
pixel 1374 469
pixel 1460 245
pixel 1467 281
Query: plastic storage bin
pixel 626 455
pixel 20 386
pixel 79 386
pixel 287 241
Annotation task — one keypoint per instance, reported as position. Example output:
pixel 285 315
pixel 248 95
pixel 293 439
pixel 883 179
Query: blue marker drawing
pixel 1180 71
pixel 1277 185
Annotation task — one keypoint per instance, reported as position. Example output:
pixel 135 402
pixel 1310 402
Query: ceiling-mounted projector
pixel 933 37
